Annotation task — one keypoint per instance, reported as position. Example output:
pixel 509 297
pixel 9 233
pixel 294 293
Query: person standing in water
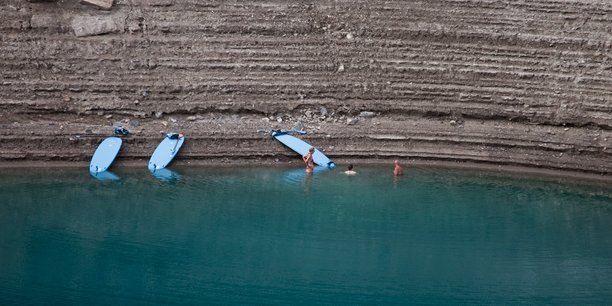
pixel 397 171
pixel 309 160
pixel 350 170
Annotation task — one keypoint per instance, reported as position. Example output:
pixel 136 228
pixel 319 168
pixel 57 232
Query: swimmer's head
pixel 396 162
pixel 350 167
pixel 311 150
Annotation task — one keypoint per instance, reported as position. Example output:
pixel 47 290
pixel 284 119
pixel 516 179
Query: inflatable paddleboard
pixel 301 147
pixel 166 151
pixel 105 155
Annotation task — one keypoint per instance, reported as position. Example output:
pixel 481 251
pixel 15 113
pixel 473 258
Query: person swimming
pixel 397 171
pixel 309 160
pixel 350 170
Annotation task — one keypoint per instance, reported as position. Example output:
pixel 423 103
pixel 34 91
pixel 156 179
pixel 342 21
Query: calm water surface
pixel 272 236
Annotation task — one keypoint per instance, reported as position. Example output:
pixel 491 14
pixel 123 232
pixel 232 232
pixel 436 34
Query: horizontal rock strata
pixel 505 82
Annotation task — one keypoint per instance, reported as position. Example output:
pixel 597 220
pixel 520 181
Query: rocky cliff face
pixel 509 82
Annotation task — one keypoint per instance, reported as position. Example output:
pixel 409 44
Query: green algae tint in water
pixel 272 236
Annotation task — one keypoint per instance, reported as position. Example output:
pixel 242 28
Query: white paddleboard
pixel 165 152
pixel 301 147
pixel 105 154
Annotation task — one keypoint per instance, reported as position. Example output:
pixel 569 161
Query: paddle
pixel 280 132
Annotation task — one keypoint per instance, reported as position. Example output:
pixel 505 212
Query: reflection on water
pixel 165 174
pixel 277 236
pixel 105 176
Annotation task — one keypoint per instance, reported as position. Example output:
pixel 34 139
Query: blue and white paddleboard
pixel 301 147
pixel 105 154
pixel 166 151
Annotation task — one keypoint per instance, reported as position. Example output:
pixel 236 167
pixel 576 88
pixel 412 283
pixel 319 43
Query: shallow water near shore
pixel 275 236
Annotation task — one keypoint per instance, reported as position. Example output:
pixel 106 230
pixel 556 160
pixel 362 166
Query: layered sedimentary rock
pixel 508 82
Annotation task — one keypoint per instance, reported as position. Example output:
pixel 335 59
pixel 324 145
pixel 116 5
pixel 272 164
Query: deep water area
pixel 276 236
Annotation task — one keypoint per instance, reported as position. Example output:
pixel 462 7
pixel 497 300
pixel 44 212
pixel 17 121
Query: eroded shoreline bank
pixel 505 83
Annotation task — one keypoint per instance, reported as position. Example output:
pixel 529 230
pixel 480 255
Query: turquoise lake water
pixel 274 236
